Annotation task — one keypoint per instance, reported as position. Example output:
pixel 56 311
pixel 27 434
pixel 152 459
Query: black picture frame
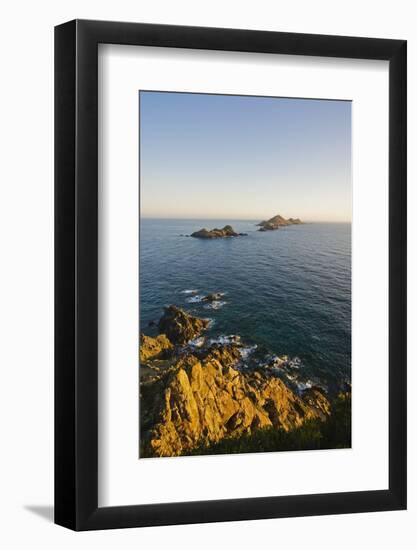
pixel 76 272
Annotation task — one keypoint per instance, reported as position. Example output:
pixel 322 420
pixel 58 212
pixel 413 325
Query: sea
pixel 285 292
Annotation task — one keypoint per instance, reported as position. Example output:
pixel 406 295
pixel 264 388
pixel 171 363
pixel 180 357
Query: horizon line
pixel 225 218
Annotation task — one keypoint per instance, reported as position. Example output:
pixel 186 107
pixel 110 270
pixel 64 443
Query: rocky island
pixel 276 222
pixel 226 231
pixel 213 297
pixel 194 399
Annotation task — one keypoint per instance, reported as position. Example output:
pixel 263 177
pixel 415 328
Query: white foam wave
pixel 245 352
pixel 195 299
pixel 217 304
pixel 230 339
pixel 295 363
pixel 197 342
pixel 301 386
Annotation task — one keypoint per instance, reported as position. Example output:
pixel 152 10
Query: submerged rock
pixel 216 233
pixel 276 222
pixel 204 399
pixel 181 327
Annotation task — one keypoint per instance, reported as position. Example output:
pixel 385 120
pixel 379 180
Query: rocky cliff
pixel 200 397
pixel 276 222
pixel 152 348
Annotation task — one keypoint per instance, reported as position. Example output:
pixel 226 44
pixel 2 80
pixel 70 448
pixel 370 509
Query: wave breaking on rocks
pixel 195 391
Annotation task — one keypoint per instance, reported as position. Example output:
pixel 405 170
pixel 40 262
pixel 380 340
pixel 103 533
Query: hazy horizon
pixel 250 219
pixel 223 157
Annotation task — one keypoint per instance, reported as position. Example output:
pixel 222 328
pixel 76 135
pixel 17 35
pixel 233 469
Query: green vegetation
pixel 334 433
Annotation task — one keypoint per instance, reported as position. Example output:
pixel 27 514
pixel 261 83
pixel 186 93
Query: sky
pixel 231 157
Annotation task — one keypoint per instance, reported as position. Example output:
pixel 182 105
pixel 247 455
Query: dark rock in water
pixel 152 324
pixel 214 297
pixel 215 233
pixel 276 222
pixel 179 326
pixel 243 234
pixel 150 348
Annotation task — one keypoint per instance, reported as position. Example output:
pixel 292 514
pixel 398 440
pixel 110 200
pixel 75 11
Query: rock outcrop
pixel 181 327
pixel 192 397
pixel 215 233
pixel 213 297
pixel 276 222
pixel 204 399
pixel 152 348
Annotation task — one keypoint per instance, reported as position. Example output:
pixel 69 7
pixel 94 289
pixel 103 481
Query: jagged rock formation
pixel 192 397
pixel 215 233
pixel 201 400
pixel 152 348
pixel 276 222
pixel 179 326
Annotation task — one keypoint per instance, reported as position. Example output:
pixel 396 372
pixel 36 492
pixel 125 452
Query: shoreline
pixel 181 361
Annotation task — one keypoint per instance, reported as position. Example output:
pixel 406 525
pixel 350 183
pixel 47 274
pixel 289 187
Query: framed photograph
pixel 230 245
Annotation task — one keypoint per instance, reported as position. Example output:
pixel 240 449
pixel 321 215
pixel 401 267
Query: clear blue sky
pixel 244 157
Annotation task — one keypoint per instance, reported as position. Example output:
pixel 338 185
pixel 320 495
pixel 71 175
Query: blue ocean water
pixel 287 291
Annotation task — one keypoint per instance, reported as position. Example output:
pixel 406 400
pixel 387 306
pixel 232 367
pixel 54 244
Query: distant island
pixel 215 233
pixel 276 222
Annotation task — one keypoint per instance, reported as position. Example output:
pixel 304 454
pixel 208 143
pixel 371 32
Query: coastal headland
pixel 197 397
